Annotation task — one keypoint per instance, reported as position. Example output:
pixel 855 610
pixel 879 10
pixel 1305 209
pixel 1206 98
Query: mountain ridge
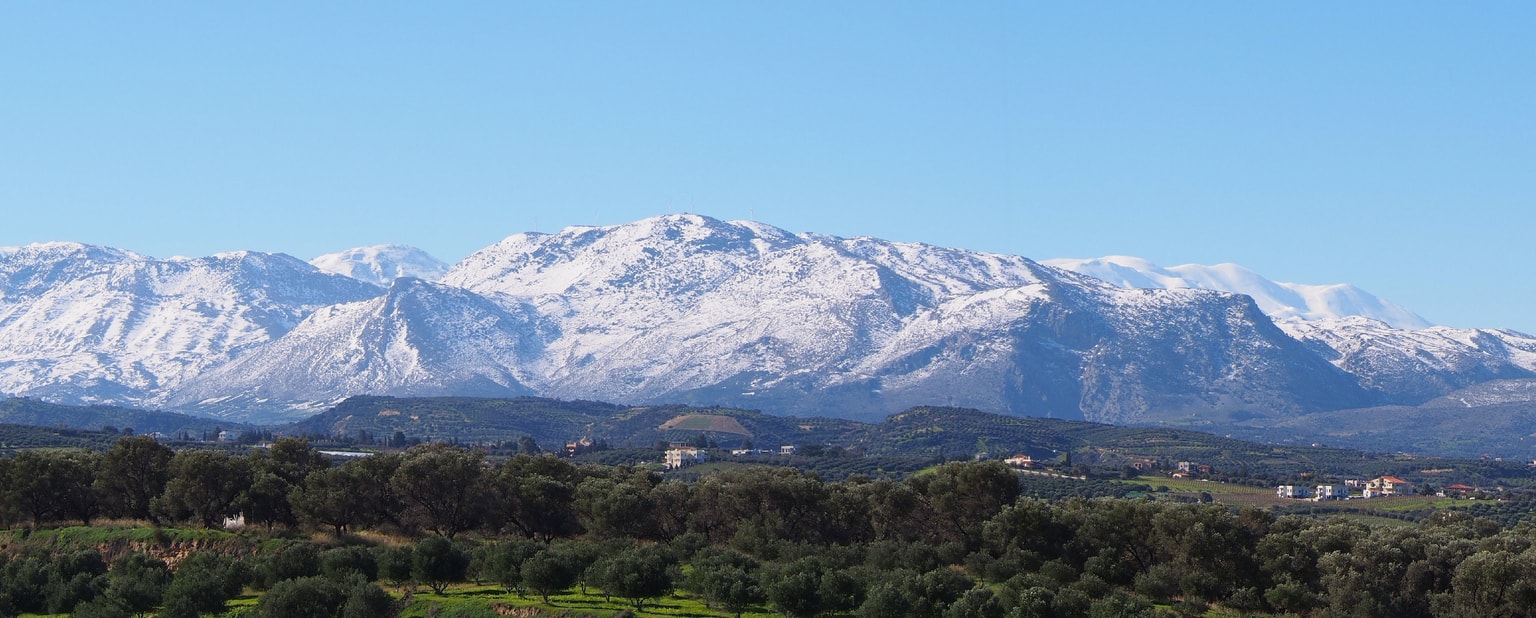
pixel 694 310
pixel 1278 299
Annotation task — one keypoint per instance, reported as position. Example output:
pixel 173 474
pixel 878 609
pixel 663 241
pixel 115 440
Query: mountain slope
pixel 89 324
pixel 382 264
pixel 39 413
pixel 1412 366
pixel 1277 299
pixel 693 310
pixel 688 308
pixel 417 339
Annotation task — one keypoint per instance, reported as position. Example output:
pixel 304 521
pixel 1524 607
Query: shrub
pixel 304 597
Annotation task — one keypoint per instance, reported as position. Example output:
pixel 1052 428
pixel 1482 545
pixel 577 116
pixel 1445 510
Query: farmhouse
pixel 1457 490
pixel 1292 491
pixel 1388 486
pixel 685 456
pixel 1330 492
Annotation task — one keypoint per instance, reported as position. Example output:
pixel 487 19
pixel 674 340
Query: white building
pixel 1389 486
pixel 1330 492
pixel 1292 491
pixel 686 456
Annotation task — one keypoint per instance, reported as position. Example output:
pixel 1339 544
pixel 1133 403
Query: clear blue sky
pixel 1390 145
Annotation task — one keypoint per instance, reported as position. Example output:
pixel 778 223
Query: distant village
pixel 683 455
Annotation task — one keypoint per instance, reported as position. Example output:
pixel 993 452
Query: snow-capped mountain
pixel 418 339
pixel 81 323
pixel 1393 352
pixel 674 304
pixel 1278 300
pixel 382 264
pixel 1412 366
pixel 689 309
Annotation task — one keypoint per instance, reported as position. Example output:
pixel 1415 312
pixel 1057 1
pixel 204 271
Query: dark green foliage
pixel 73 579
pixel 137 582
pixel 903 593
pixel 977 603
pixel 840 591
pixel 205 487
pixel 100 607
pixel 266 501
pixel 45 485
pixel 277 472
pixel 341 563
pixel 962 496
pixel 444 486
pixel 1120 606
pixel 20 411
pixel 358 492
pixel 616 508
pixel 394 564
pixel 726 579
pixel 24 583
pixel 305 597
pixel 132 473
pixel 290 561
pixel 536 495
pixel 795 589
pixel 204 581
pixel 366 600
pixel 583 557
pixel 554 422
pixel 780 537
pixel 639 575
pixel 436 562
pixel 502 562
pixel 549 572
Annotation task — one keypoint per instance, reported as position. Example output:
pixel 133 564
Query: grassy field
pixel 493 600
pixel 575 603
pixel 1195 485
pixel 1225 493
pixel 1244 495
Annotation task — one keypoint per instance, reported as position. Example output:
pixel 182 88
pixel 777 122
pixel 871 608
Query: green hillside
pixel 925 433
pixel 23 411
pixel 552 421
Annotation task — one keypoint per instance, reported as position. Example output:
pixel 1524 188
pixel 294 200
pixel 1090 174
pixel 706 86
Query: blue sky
pixel 1390 145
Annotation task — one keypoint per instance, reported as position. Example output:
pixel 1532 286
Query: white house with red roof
pixel 1387 485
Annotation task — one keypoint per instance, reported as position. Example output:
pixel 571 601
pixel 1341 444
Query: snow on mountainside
pixel 1279 300
pixel 80 323
pixel 419 339
pixel 382 264
pixel 688 308
pixel 1411 366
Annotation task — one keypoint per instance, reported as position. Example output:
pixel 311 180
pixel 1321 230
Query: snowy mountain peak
pixel 1277 299
pixel 419 338
pixel 381 264
pixel 685 308
pixel 62 250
